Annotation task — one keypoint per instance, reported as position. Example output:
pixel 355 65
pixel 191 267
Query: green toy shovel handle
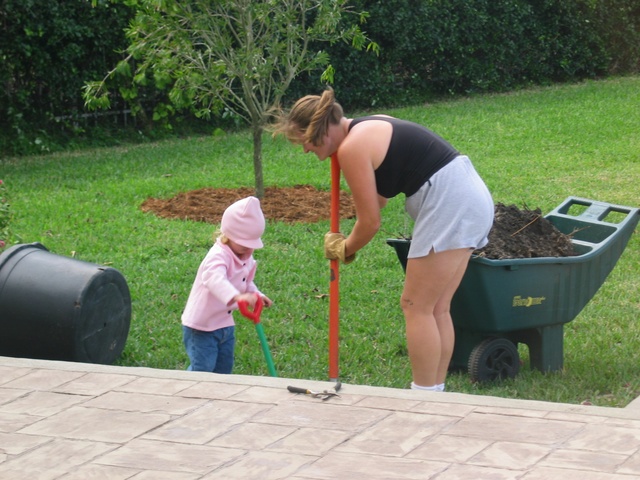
pixel 255 317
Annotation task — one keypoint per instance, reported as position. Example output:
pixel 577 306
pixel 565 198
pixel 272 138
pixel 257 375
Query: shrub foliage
pixel 429 48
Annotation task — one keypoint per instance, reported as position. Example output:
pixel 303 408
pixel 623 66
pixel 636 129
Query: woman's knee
pixel 405 302
pixel 413 304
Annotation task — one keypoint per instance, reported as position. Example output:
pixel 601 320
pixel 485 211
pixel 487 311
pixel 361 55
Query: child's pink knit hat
pixel 243 222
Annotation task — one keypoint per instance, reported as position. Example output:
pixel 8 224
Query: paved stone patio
pixel 73 421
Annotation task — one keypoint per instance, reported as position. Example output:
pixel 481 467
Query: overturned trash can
pixel 59 308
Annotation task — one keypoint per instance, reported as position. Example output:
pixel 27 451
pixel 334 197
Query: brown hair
pixel 309 118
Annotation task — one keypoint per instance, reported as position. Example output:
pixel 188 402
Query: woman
pixel 381 157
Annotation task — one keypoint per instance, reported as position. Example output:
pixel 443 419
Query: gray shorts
pixel 454 209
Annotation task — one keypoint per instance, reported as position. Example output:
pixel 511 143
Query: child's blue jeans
pixel 210 351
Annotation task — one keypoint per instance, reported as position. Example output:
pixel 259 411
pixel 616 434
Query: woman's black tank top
pixel 415 154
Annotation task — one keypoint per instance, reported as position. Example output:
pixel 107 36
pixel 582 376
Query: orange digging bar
pixel 334 283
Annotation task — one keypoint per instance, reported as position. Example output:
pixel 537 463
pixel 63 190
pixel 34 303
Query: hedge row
pixel 429 48
pixel 49 49
pixel 452 47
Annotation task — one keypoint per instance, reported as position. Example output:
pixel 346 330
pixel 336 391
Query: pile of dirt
pixel 524 233
pixel 516 233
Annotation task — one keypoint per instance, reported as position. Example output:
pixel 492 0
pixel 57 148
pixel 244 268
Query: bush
pixel 429 49
pixel 617 23
pixel 451 47
pixel 49 49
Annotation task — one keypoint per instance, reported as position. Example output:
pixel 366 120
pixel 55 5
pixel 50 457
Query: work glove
pixel 335 245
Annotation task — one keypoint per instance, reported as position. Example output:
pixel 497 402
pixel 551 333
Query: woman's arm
pixel 359 155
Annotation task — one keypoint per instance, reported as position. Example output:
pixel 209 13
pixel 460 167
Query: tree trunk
pixel 257 160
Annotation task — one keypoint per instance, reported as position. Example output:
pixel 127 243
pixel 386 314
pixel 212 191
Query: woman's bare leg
pixel 442 313
pixel 429 286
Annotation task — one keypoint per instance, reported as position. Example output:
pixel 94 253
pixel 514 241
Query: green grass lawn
pixel 533 148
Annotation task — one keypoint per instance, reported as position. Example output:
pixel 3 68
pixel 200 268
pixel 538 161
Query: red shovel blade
pixel 253 315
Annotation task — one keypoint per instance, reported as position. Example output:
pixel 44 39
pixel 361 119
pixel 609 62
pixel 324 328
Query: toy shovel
pixel 254 316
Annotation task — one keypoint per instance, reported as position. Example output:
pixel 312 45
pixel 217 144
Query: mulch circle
pixel 516 233
pixel 298 204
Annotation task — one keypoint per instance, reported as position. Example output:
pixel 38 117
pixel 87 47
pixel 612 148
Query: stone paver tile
pixel 599 462
pixel 449 448
pixel 514 412
pixel 623 422
pixel 631 466
pixel 206 423
pixel 10 394
pixel 575 417
pixel 513 456
pixel 169 457
pixel 101 472
pixel 12 422
pixel 603 438
pixel 385 403
pixel 15 444
pixel 52 459
pixel 162 386
pixel 397 434
pixel 310 441
pixel 8 374
pixel 212 390
pixel 262 466
pixel 43 379
pixel 252 436
pixel 514 429
pixel 142 402
pixel 544 473
pixel 155 475
pixel 474 472
pixel 261 395
pixel 97 424
pixel 370 467
pixel 94 383
pixel 42 404
pixel 319 414
pixel 449 409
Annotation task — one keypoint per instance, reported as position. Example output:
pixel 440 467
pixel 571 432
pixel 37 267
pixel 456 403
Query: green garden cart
pixel 501 303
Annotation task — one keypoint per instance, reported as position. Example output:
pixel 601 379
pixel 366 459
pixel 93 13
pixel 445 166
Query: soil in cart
pixel 516 233
pixel 524 233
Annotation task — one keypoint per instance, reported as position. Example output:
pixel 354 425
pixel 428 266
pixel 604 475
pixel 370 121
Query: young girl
pixel 224 278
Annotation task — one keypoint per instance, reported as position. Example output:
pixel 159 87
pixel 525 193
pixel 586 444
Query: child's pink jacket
pixel 220 277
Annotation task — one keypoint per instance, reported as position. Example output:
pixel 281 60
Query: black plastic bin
pixel 59 308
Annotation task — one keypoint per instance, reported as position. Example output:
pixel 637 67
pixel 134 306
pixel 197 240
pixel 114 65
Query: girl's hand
pixel 250 298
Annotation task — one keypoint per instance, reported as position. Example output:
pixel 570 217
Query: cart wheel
pixel 493 359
